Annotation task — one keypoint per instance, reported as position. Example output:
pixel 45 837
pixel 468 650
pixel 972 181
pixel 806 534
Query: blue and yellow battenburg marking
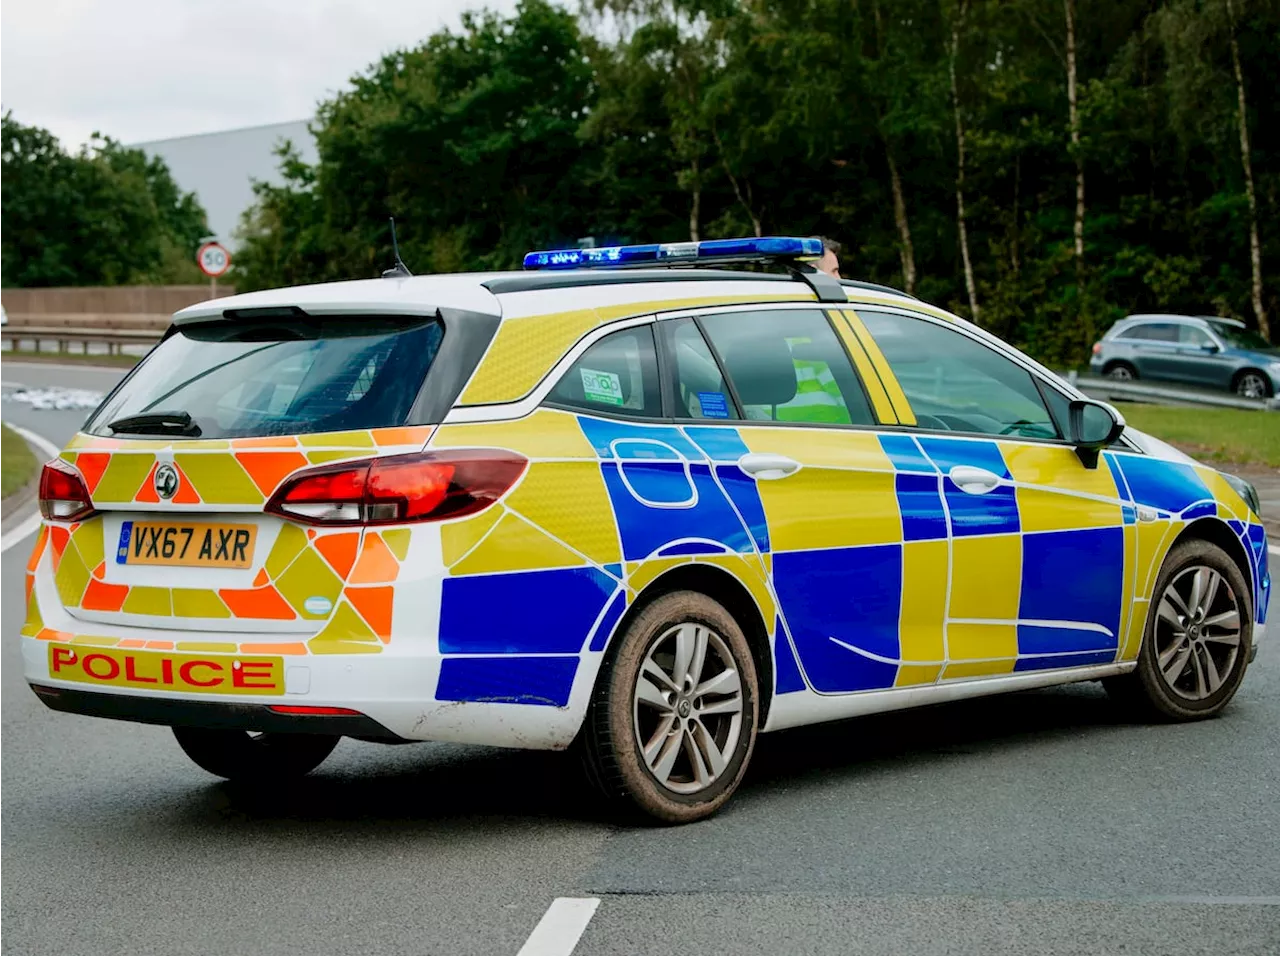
pixel 872 568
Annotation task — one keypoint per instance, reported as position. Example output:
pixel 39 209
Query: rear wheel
pixel 1121 372
pixel 240 755
pixel 672 723
pixel 1196 645
pixel 1252 384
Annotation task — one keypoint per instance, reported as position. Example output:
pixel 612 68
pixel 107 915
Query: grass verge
pixel 70 358
pixel 17 464
pixel 1212 434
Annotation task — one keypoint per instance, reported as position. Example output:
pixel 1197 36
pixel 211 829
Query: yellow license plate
pixel 153 670
pixel 187 544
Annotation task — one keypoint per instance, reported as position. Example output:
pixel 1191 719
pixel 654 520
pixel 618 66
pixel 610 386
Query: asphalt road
pixel 1035 823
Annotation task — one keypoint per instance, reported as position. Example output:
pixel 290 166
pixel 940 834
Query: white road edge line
pixel 32 524
pixel 561 926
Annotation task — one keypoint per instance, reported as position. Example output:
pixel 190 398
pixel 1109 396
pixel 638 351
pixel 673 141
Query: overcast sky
pixel 140 70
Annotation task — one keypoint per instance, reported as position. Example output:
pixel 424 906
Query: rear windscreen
pixel 286 377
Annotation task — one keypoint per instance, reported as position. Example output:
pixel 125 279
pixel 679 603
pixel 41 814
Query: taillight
pixel 63 494
pixel 1097 348
pixel 425 486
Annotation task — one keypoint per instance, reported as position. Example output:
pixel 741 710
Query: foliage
pixel 108 215
pixel 645 120
pixel 17 463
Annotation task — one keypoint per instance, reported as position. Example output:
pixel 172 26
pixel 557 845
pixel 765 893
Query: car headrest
pixel 762 371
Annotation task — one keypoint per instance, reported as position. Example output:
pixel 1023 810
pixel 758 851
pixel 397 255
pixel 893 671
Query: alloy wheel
pixel 1197 632
pixel 687 708
pixel 1120 373
pixel 1252 385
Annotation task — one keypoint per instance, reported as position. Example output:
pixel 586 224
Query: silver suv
pixel 1198 350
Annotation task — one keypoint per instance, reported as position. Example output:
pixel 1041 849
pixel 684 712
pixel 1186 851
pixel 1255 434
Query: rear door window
pixel 288 377
pixel 617 375
pixel 698 387
pixel 788 366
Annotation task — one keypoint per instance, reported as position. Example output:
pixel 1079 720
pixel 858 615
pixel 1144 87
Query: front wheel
pixel 1253 385
pixel 240 755
pixel 1196 645
pixel 672 723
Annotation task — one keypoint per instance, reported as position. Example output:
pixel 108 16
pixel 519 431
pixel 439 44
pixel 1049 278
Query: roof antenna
pixel 399 270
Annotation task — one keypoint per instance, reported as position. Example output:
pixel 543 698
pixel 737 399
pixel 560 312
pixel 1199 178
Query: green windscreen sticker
pixel 603 387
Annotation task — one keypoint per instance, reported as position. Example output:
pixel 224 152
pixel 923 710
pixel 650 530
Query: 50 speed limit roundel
pixel 214 259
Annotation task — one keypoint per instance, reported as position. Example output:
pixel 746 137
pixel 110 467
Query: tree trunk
pixel 695 206
pixel 960 217
pixel 905 249
pixel 1255 248
pixel 1074 121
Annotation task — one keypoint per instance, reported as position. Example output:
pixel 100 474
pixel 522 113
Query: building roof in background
pixel 220 167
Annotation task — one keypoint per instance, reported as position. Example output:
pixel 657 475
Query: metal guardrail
pixel 1139 391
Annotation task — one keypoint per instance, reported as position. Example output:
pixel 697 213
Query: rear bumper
pixel 214 715
pixel 400 694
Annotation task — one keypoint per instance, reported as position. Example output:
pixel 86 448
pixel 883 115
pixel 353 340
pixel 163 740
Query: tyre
pixel 1252 384
pixel 1121 372
pixel 672 721
pixel 240 755
pixel 1196 645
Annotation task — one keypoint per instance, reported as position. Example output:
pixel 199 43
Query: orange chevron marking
pixel 262 603
pixel 100 596
pixel 273 648
pixel 339 550
pixel 377 565
pixel 374 605
pixel 92 464
pixel 59 537
pixel 269 468
pixel 38 551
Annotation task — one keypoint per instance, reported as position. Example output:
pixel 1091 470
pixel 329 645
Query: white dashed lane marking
pixel 560 928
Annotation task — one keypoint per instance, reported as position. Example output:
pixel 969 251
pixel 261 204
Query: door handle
pixel 973 481
pixel 765 467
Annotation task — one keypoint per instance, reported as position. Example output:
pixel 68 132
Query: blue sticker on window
pixel 713 404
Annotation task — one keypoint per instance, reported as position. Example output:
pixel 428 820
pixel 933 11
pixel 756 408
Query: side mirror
pixel 1209 348
pixel 1092 426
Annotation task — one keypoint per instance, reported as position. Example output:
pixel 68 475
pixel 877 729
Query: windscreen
pixel 286 377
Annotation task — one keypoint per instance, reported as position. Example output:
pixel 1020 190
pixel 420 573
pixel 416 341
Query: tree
pixel 108 215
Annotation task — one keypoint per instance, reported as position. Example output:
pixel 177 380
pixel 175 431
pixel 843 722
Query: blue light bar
pixel 708 252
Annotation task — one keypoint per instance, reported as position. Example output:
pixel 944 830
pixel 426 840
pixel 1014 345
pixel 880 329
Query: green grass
pixel 17 464
pixel 1212 434
pixel 71 358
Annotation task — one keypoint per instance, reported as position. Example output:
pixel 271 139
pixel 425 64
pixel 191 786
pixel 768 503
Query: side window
pixel 1139 332
pixel 788 366
pixel 955 383
pixel 1190 335
pixel 698 387
pixel 618 375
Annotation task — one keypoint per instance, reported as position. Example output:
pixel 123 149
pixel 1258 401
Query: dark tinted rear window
pixel 290 377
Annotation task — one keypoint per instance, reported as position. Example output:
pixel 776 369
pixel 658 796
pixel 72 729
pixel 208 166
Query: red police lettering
pixel 113 667
pixel 131 674
pixel 185 673
pixel 246 672
pixel 166 671
pixel 61 656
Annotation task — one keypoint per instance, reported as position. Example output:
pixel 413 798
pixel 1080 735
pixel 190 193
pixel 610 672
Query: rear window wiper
pixel 156 423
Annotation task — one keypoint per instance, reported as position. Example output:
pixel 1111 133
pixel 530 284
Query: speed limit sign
pixel 214 259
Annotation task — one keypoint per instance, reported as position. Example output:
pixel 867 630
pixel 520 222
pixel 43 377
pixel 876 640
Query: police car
pixel 625 500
